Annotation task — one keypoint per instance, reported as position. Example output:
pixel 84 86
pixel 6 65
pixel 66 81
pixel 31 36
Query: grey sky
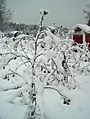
pixel 61 12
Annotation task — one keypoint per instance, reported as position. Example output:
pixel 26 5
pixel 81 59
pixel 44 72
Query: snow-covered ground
pixel 54 108
pixel 79 107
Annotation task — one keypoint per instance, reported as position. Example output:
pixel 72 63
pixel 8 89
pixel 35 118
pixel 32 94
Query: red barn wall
pixel 78 38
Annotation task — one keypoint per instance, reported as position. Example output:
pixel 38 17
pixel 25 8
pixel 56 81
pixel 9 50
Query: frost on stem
pixel 65 67
pixel 43 13
pixel 32 107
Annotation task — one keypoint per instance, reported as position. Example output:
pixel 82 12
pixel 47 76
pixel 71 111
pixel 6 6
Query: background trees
pixel 5 15
pixel 26 29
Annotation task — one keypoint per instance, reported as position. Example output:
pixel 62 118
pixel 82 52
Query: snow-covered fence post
pixel 31 110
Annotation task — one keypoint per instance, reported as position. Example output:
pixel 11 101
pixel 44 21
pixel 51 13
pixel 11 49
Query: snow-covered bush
pixel 32 64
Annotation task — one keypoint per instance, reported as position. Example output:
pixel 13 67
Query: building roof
pixel 84 27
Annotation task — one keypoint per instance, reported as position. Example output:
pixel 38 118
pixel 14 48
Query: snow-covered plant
pixel 78 56
pixel 60 32
pixel 32 64
pixel 24 53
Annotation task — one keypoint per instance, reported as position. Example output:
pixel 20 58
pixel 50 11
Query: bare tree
pixel 5 15
pixel 87 13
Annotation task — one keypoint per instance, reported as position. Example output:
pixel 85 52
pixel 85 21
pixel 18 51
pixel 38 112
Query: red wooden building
pixel 81 34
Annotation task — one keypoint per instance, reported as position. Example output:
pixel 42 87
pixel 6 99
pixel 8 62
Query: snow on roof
pixel 13 32
pixel 84 27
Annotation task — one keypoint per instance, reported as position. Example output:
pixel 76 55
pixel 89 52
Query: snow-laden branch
pixel 11 87
pixel 65 98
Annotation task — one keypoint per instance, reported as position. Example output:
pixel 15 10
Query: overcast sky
pixel 61 12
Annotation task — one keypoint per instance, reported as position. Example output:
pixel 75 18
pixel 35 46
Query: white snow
pixel 80 104
pixel 84 27
pixel 8 110
pixel 54 108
